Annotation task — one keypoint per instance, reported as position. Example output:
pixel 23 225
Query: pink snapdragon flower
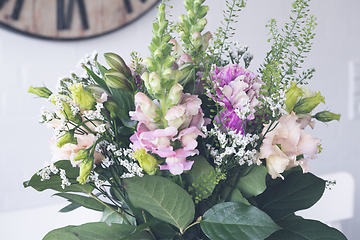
pixel 284 143
pixel 184 122
pixel 238 90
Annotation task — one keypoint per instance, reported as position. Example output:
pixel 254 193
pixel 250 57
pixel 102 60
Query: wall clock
pixel 70 19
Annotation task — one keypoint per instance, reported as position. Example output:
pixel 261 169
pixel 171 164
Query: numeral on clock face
pixel 64 18
pixel 16 10
pixel 70 19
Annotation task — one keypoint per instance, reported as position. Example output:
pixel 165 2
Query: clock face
pixel 70 19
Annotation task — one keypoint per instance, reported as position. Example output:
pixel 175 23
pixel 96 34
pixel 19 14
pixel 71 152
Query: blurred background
pixel 26 61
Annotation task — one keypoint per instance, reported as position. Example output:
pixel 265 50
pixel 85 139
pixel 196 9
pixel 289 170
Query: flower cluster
pixel 238 91
pixel 186 131
pixel 182 123
pixel 283 144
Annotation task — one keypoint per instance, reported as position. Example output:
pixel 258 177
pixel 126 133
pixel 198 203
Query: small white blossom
pixel 101 128
pixel 75 110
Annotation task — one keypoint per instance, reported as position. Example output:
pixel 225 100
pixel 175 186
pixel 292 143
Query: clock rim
pixel 32 35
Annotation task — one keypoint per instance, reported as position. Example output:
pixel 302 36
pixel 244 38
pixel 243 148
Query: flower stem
pixel 121 214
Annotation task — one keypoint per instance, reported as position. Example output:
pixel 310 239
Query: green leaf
pixel 201 178
pixel 253 183
pixel 125 101
pixel 230 220
pixel 69 208
pixel 109 216
pixel 97 79
pixel 163 230
pixel 101 68
pixel 162 198
pixel 305 229
pixel 296 192
pixel 235 196
pixel 55 181
pixel 96 231
pixel 87 202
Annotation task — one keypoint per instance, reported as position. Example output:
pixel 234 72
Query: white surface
pixel 35 223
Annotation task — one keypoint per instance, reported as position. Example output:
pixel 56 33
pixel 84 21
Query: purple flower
pixel 237 91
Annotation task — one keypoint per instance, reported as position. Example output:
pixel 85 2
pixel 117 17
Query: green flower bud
pixel 81 154
pixel 150 64
pixel 147 161
pixel 196 39
pixel 158 54
pixel 155 26
pixel 175 95
pixel 176 74
pixel 192 17
pixel 200 25
pixel 96 90
pixel 292 94
pixel 69 114
pixel 43 92
pixel 85 169
pixel 84 98
pixel 169 61
pixel 326 116
pixel 188 4
pixel 203 11
pixel 161 12
pixel 155 83
pixel 68 137
pixel 116 79
pixel 306 105
pixel 166 38
pixel 167 74
pixel 117 63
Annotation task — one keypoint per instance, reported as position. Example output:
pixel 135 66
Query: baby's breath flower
pixel 101 128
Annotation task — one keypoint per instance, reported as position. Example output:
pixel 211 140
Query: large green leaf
pixel 201 178
pixel 253 183
pixel 87 202
pixel 305 229
pixel 109 216
pixel 163 230
pixel 230 220
pixel 162 198
pixel 97 231
pixel 298 191
pixel 55 181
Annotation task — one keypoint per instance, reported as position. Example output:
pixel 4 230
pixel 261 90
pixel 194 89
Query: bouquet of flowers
pixel 188 143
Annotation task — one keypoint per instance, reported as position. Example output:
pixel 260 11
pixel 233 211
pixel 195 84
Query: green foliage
pixel 110 217
pixel 98 230
pixel 237 221
pixel 55 181
pixel 294 227
pixel 296 192
pixel 162 198
pixel 193 22
pixel 289 49
pixel 84 201
pixel 202 179
pixel 253 183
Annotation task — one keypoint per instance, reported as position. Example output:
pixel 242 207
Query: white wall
pixel 26 61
